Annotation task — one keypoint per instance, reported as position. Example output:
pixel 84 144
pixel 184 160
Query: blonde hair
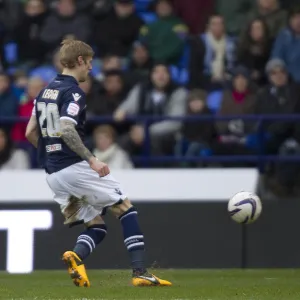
pixel 105 129
pixel 71 49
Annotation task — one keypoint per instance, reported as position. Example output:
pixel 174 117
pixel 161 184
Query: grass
pixel 188 285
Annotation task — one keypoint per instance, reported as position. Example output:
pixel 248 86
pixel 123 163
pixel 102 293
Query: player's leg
pixel 134 242
pixel 94 233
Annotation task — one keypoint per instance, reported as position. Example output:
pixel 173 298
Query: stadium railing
pixel 147 159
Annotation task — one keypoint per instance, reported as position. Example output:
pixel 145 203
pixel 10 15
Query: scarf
pixel 106 155
pixel 219 48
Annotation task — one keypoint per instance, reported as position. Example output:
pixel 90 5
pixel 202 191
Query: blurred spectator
pixel 288 4
pixel 196 137
pixel 10 12
pixel 11 158
pixel 280 97
pixel 108 151
pixel 140 64
pixel 219 51
pixel 27 32
pixel 65 22
pixel 34 87
pixel 91 88
pixel 233 134
pixel 194 13
pixel 8 100
pixel 110 95
pixel 117 32
pixel 165 37
pixel 254 50
pixel 270 12
pixel 239 100
pixel 287 45
pixel 159 97
pixel 234 12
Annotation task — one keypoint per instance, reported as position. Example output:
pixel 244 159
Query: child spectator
pixel 108 151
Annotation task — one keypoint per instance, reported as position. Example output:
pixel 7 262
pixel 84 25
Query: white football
pixel 244 207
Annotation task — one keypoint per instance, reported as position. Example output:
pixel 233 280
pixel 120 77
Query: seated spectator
pixel 219 52
pixel 35 85
pixel 110 95
pixel 270 12
pixel 64 22
pixel 11 158
pixel 234 13
pixel 233 134
pixel 165 37
pixel 8 100
pixel 196 137
pixel 254 50
pixel 27 33
pixel 117 32
pixel 279 97
pixel 287 45
pixel 91 88
pixel 158 97
pixel 108 63
pixel 140 64
pixel 108 151
pixel 239 100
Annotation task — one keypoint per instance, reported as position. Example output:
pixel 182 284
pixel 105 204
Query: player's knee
pixel 97 232
pixel 121 208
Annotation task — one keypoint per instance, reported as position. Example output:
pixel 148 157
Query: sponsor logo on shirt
pixel 73 109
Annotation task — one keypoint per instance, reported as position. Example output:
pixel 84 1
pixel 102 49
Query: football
pixel 244 207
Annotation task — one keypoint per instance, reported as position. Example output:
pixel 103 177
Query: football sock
pixel 133 240
pixel 89 239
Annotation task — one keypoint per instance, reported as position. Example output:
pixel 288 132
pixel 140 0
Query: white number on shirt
pixel 50 114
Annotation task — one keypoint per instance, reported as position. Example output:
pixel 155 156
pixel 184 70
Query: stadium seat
pixel 142 5
pixel 46 73
pixel 214 100
pixel 11 52
pixel 148 17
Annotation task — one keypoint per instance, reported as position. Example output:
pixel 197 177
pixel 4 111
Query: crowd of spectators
pixel 158 58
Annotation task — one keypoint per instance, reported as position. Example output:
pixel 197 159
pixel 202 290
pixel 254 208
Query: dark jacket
pixel 27 36
pixel 254 61
pixel 271 100
pixel 203 132
pixel 230 106
pixel 8 104
pixel 57 27
pixel 115 35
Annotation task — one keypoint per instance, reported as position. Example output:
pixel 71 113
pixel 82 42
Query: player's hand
pixel 99 167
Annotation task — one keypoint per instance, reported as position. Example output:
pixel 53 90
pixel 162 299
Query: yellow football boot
pixel 149 280
pixel 76 269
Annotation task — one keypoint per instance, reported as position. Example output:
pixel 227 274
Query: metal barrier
pixel 260 158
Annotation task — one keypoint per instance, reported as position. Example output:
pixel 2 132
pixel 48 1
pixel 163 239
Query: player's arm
pixel 32 133
pixel 73 141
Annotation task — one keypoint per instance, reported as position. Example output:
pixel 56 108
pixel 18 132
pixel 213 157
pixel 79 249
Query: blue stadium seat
pixel 148 17
pixel 142 5
pixel 46 73
pixel 214 100
pixel 179 75
pixel 11 52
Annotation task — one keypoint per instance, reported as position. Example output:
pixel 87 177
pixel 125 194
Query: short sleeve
pixel 33 113
pixel 73 103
